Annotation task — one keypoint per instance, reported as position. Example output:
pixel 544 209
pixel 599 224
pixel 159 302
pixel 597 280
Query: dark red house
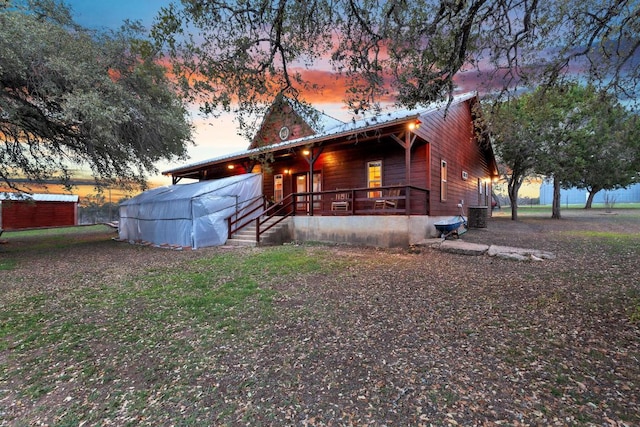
pixel 37 210
pixel 407 167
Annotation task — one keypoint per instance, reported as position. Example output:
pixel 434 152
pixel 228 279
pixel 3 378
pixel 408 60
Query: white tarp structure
pixel 189 215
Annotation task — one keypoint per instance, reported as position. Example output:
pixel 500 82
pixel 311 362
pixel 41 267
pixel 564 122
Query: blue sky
pixel 110 14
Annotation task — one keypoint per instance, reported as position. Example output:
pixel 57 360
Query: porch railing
pixel 405 200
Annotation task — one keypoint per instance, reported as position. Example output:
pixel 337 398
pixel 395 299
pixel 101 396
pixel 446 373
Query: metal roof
pixel 338 128
pixel 39 197
pixel 318 120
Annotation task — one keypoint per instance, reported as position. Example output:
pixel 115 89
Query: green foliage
pixel 587 139
pixel 514 137
pixel 575 134
pixel 608 150
pixel 71 97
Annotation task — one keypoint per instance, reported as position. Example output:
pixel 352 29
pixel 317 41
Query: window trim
pixel 443 181
pixel 370 183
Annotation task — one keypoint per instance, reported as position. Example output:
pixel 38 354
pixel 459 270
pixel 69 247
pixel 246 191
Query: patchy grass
pixel 572 210
pixel 153 331
pixel 96 332
pixel 51 238
pixel 43 233
pixel 7 264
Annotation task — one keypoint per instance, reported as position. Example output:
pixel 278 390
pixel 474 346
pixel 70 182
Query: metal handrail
pixel 231 223
pixel 353 198
pixel 268 213
pixel 282 211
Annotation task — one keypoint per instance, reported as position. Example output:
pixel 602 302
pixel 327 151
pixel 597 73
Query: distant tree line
pixel 575 135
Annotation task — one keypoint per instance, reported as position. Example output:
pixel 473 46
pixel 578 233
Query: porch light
pixel 287 171
pixel 414 124
pixel 230 167
pixel 305 152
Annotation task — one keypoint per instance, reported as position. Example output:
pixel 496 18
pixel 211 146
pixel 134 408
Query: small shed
pixel 21 210
pixel 189 215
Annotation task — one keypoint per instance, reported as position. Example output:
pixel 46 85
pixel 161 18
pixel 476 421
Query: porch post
pixel 313 156
pixel 311 161
pixel 409 139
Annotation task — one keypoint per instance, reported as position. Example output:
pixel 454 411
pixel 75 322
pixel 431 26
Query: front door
pixel 302 186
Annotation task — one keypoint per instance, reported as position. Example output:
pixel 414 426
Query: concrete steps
pixel 276 235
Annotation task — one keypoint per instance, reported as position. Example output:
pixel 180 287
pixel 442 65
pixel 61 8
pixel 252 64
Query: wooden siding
pixel 446 136
pixel 443 135
pixel 24 214
pixel 345 166
pixel 280 114
pixel 452 138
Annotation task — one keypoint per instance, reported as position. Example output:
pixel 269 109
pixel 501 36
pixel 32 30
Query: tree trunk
pixel 592 194
pixel 555 209
pixel 512 188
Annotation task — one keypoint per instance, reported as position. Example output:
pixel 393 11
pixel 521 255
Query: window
pixel 277 188
pixel 443 180
pixel 374 177
pixel 486 193
pixel 317 187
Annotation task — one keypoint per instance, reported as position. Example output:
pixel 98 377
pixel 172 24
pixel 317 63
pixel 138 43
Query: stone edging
pixel 504 252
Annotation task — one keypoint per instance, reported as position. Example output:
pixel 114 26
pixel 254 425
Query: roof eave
pixel 302 142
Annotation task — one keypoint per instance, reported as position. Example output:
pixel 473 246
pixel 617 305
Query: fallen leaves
pixel 381 337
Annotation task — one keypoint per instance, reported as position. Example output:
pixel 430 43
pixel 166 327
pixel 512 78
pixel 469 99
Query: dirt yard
pixel 381 337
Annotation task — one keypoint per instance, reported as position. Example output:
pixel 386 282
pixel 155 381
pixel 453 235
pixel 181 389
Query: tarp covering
pixel 189 215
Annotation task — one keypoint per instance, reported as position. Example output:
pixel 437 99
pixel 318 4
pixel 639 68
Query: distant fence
pixel 97 214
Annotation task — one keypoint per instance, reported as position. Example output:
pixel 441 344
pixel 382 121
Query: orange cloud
pixel 83 191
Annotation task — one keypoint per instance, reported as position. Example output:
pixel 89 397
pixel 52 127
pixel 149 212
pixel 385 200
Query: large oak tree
pixel 73 98
pixel 607 149
pixel 241 53
pixel 514 135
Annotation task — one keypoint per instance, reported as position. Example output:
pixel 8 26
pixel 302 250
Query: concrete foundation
pixel 378 231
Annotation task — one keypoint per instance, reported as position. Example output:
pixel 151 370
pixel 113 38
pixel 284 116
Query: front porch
pixel 386 200
pixel 390 216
